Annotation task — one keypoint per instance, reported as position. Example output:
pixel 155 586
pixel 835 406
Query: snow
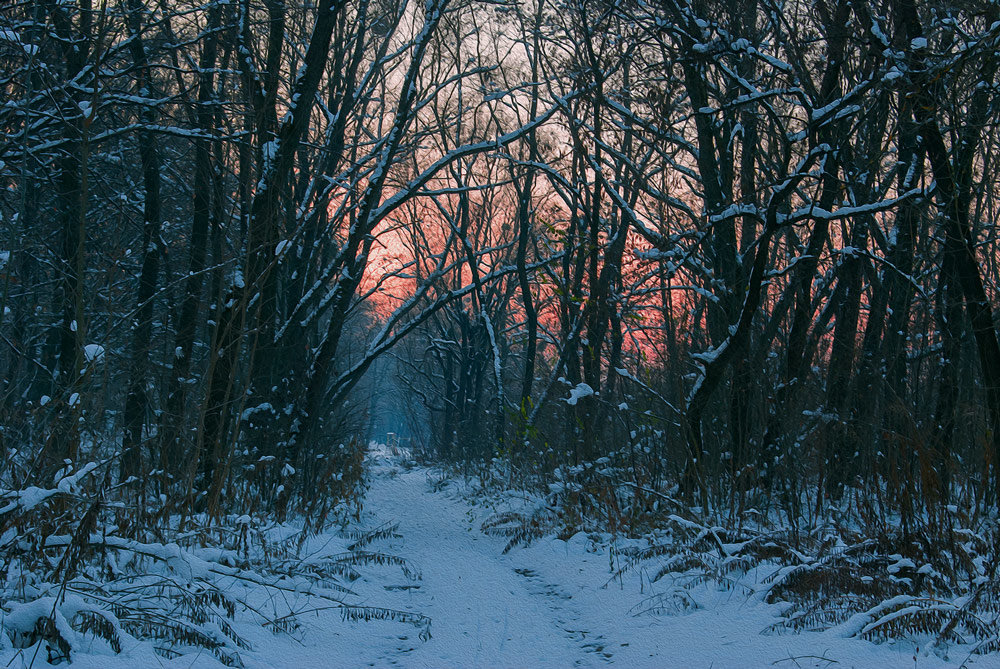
pixel 554 603
pixel 250 411
pixel 93 353
pixel 546 605
pixel 7 35
pixel 268 151
pixel 892 74
pixel 579 392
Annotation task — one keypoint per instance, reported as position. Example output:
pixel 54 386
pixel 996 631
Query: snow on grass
pixel 553 603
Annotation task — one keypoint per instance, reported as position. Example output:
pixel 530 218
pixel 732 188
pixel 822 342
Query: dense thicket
pixel 193 194
pixel 742 252
pixel 769 273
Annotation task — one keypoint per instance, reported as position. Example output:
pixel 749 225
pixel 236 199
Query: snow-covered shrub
pixel 78 566
pixel 938 583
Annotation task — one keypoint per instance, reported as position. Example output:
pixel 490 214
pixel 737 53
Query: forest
pixel 711 282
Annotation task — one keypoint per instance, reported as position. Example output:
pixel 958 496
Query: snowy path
pixel 485 609
pixel 547 605
pixel 543 606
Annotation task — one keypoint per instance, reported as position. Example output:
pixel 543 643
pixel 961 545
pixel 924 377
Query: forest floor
pixel 549 604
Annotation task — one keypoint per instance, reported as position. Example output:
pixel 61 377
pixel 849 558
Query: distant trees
pixel 219 176
pixel 758 238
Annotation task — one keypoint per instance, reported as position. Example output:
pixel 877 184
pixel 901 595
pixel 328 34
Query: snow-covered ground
pixel 546 605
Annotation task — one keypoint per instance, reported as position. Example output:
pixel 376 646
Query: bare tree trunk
pixel 172 455
pixel 137 401
pixel 72 187
pixel 954 190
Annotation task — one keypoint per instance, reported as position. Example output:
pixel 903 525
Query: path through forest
pixel 544 605
pixel 551 604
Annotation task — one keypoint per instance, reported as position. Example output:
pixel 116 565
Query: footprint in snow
pixel 558 602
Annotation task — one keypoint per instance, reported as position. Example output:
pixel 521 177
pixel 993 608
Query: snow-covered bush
pixel 81 564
